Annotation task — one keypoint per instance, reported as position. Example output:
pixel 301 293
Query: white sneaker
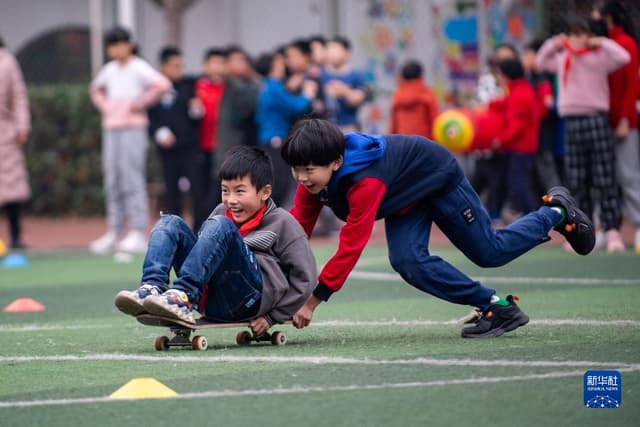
pixel 104 244
pixel 133 243
pixel 614 241
pixel 130 302
pixel 601 241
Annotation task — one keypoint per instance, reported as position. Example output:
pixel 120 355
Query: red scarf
pixel 569 58
pixel 252 223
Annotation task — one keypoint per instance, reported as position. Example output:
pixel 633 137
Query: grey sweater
pixel 288 266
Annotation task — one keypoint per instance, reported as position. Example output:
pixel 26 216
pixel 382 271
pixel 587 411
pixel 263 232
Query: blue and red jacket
pixel 381 176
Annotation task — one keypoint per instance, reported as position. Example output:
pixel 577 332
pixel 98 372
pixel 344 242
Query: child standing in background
pixel 122 91
pixel 344 86
pixel 583 64
pixel 414 106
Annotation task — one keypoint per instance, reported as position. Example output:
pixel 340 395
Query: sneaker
pixel 173 304
pixel 497 320
pixel 601 241
pixel 104 244
pixel 133 243
pixel 637 241
pixel 130 302
pixel 614 241
pixel 577 228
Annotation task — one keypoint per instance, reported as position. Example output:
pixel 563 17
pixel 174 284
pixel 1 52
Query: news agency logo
pixel 602 389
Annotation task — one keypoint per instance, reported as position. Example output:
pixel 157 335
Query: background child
pixel 123 89
pixel 173 125
pixel 545 172
pixel 414 106
pixel 519 138
pixel 276 111
pixel 251 260
pixel 209 90
pixel 344 86
pixel 583 64
pixel 412 182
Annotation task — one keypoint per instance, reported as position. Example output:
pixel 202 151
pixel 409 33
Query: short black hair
pixel 578 25
pixel 235 48
pixel 411 70
pixel 318 38
pixel 244 160
pixel 215 51
pixel 620 15
pixel 507 46
pixel 511 68
pixel 342 40
pixel 117 35
pixel 302 45
pixel 1 42
pixel 264 63
pixel 313 141
pixel 168 52
pixel 534 45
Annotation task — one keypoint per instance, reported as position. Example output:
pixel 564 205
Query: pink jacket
pixel 14 104
pixel 586 90
pixel 122 92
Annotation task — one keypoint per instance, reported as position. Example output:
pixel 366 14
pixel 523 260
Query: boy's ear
pixel 337 163
pixel 266 192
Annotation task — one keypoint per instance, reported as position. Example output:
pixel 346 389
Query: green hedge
pixel 63 153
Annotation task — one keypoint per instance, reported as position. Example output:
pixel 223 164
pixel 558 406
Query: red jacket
pixel 520 110
pixel 623 83
pixel 210 94
pixel 413 109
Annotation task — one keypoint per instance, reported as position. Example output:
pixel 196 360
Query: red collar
pixel 252 223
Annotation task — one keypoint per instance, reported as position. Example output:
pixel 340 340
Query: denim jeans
pixel 463 219
pixel 217 270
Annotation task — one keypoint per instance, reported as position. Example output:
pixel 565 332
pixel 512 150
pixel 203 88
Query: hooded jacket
pixel 413 109
pixel 286 261
pixel 381 176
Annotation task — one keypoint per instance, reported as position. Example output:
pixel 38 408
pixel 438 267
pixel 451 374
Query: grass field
pixel 380 353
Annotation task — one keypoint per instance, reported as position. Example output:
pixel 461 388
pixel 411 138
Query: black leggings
pixel 13 214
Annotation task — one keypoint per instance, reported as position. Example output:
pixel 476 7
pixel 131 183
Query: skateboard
pixel 182 333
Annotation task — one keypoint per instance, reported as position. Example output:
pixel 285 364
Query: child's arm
pixel 364 197
pixel 97 91
pixel 298 263
pixel 548 57
pixel 616 55
pixel 295 104
pixel 306 209
pixel 156 86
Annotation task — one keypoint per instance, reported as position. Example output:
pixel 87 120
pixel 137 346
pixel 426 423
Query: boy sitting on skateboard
pixel 412 182
pixel 251 260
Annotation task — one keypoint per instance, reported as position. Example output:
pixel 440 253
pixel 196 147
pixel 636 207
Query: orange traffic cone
pixel 24 305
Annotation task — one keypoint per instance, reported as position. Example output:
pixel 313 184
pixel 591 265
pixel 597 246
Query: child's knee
pixel 216 225
pixel 167 221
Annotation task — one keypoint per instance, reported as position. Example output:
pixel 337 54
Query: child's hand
pixel 303 317
pixel 259 325
pixel 559 40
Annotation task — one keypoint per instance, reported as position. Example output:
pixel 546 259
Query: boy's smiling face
pixel 315 178
pixel 242 198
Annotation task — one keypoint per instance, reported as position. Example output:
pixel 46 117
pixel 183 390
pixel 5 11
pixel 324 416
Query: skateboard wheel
pixel 199 342
pixel 161 343
pixel 243 338
pixel 278 338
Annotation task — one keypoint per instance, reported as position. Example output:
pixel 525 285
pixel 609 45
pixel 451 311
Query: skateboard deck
pixel 182 333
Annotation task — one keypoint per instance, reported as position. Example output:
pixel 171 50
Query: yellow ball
pixel 3 249
pixel 454 130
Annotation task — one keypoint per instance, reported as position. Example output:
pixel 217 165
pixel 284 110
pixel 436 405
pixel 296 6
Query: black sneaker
pixel 497 320
pixel 577 228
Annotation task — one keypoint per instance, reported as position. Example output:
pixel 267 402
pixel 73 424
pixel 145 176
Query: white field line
pixel 316 360
pixel 360 323
pixel 382 276
pixel 296 390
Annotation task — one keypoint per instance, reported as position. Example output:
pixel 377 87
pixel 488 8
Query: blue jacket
pixel 277 110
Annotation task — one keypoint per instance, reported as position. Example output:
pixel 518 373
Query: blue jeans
pixel 217 260
pixel 463 219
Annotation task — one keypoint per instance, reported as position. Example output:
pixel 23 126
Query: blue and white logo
pixel 602 389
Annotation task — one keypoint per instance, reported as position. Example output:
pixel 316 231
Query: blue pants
pixel 217 259
pixel 463 219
